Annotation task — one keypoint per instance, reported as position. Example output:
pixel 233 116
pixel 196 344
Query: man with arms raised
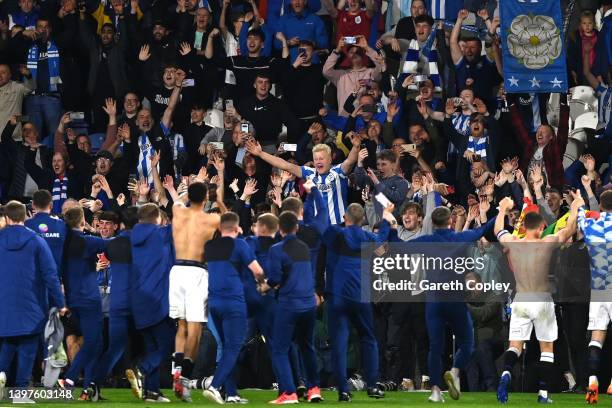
pixel 191 229
pixel 331 181
pixel 529 258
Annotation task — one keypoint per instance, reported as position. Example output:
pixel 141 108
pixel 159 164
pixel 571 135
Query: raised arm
pixel 348 164
pixel 174 99
pixel 254 148
pixel 570 227
pixel 456 53
pixel 502 235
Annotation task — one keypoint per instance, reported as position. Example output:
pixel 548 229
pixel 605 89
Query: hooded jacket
pixel 152 258
pixel 28 282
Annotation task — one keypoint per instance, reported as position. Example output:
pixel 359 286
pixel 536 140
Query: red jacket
pixel 553 151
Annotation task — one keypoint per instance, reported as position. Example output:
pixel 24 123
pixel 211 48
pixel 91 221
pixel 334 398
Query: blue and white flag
pixel 532 43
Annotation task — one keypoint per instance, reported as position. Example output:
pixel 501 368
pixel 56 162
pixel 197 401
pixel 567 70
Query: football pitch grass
pixel 123 398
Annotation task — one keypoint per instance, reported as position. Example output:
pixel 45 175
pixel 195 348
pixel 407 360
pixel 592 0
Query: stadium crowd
pixel 266 141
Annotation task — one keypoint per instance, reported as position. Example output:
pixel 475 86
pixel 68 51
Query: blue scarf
pixel 53 60
pixel 478 145
pixel 413 56
pixel 60 193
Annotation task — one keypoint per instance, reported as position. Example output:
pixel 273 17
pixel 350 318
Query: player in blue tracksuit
pixel 120 319
pixel 152 259
pixel 28 276
pixel 442 309
pixel 83 296
pixel 343 291
pixel 226 256
pixel 312 226
pixel 260 308
pixel 290 273
pixel 52 229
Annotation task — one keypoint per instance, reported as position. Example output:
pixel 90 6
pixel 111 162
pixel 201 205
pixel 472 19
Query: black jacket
pixel 268 117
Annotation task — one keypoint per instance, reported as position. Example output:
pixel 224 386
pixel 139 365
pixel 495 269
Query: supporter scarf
pixel 53 59
pixel 412 60
pixel 478 145
pixel 589 40
pixel 60 193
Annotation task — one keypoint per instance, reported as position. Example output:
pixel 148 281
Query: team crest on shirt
pixel 358 20
pixel 43 228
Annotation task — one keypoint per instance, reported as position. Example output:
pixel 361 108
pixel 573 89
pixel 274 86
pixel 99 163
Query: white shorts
pixel 527 315
pixel 188 295
pixel 600 314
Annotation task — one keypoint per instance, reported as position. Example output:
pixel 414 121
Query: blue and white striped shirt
pixel 334 189
pixel 598 237
pixel 145 151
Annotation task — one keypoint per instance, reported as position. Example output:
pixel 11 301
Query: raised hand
pixel 144 53
pixel 449 108
pixel 463 14
pixel 185 48
pixel 143 188
pixel 250 187
pixel 110 107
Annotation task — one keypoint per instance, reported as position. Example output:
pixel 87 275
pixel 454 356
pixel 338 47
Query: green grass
pixel 123 398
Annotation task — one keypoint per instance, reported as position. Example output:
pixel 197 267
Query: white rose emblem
pixel 534 40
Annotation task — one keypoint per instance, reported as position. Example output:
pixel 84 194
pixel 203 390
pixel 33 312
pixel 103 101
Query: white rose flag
pixel 533 46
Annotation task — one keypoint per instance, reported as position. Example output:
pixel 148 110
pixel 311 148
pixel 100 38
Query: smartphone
pixel 229 103
pixel 383 200
pixel 350 40
pixel 409 147
pixel 457 102
pixel 290 147
pixel 301 51
pixel 420 78
pixel 244 128
pixel 188 82
pixel 217 145
pixel 77 115
pixel 369 108
pixel 23 118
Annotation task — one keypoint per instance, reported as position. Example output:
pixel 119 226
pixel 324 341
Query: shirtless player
pixel 533 306
pixel 191 229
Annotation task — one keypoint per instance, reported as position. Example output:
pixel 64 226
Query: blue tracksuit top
pixel 225 257
pixel 344 258
pixel 313 226
pixel 289 267
pixel 79 269
pixel 28 276
pixel 260 247
pixel 447 236
pixel 119 253
pixel 152 258
pixel 306 26
pixel 53 231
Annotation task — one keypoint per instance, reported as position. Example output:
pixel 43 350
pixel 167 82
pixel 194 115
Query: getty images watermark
pixel 473 272
pixel 415 263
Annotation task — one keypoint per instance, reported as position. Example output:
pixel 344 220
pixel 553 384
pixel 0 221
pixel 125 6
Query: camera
pixel 350 40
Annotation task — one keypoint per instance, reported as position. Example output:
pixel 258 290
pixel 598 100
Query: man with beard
pixel 471 67
pixel 163 49
pixel 107 64
pixel 245 67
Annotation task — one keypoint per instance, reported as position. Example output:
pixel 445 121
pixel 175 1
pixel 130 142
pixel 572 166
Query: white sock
pixel 543 393
pixel 455 371
pixel 593 380
pixel 424 378
pixel 570 379
pixel 506 372
pixel 70 382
